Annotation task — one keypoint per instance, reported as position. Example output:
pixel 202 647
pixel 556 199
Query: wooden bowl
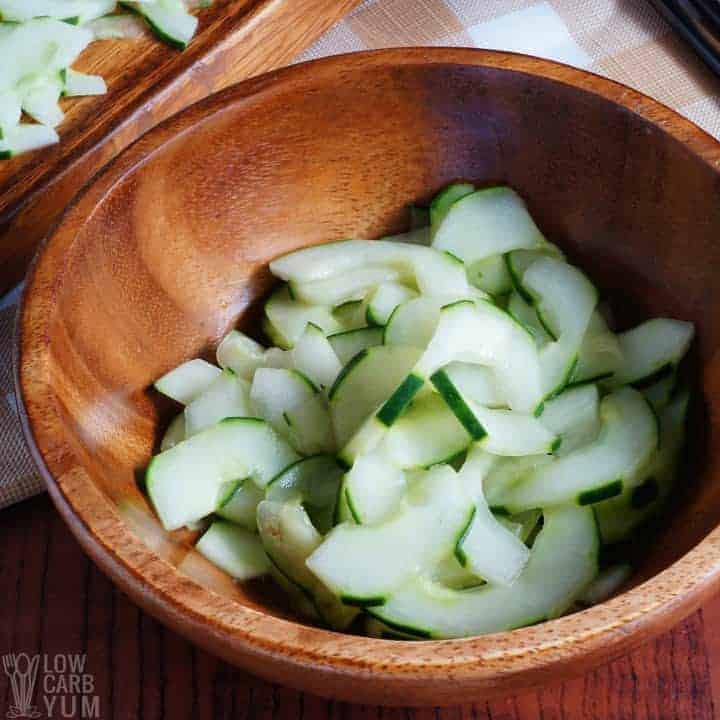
pixel 168 248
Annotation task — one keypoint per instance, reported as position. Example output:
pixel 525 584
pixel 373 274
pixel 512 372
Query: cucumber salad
pixel 41 39
pixel 443 435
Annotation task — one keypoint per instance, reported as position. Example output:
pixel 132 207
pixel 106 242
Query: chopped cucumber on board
pixel 441 437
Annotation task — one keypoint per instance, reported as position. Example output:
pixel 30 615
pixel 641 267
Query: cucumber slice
pixel 168 19
pixel 600 353
pixel 312 482
pixel 574 417
pixel 475 382
pixel 315 358
pixel 288 318
pixel 349 343
pixel 562 562
pixel 628 436
pixel 427 269
pixel 10 108
pixel 227 396
pixel 277 358
pixel 485 223
pixel 84 10
pixel 174 434
pixel 79 84
pixel 518 261
pixel 606 584
pixel 565 300
pixel 451 574
pixel 338 289
pixel 364 563
pixel 235 550
pixel 117 27
pixel 276 391
pixel 289 538
pixel 188 381
pixel 350 315
pixel 374 488
pixel 310 426
pixel 240 506
pixel 526 315
pixel 40 99
pixel 25 138
pixel 507 472
pixel 486 547
pixel 445 199
pixel 185 483
pixel 660 392
pixel 384 300
pixel 413 322
pixel 490 275
pixel 428 433
pixel 649 348
pixel 365 383
pixel 241 354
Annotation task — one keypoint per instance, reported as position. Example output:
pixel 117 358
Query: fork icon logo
pixel 22 671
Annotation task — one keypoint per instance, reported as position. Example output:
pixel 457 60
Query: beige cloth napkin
pixel 622 39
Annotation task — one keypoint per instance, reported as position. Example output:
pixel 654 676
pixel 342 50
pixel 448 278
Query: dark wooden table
pixel 54 602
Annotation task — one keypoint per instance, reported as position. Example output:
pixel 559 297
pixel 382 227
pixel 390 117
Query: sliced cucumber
pixel 563 561
pixel 310 426
pixel 507 472
pixel 413 322
pixel 240 506
pixel 313 482
pixel 10 108
pixel 288 318
pixel 363 564
pixel 475 382
pixel 606 584
pixel 315 358
pixel 419 217
pixel 486 547
pixel 235 550
pixel 82 10
pixel 600 353
pixel 445 199
pixel 188 381
pixel 427 269
pixel 384 300
pixel 277 358
pixel 174 434
pixel 289 538
pixel 79 84
pixel 349 343
pixel 40 99
pixel 485 223
pixel 527 316
pixel 518 261
pixel 595 472
pixel 660 392
pixel 185 482
pixel 573 416
pixel 490 275
pixel 450 573
pixel 365 383
pixel 374 488
pixel 350 315
pixel 226 396
pixel 338 289
pixel 25 138
pixel 276 391
pixel 241 354
pixel 117 27
pixel 428 433
pixel 168 19
pixel 650 348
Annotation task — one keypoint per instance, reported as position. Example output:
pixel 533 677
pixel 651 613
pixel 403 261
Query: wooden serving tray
pixel 147 82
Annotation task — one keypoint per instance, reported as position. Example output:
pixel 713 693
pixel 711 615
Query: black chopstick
pixel 698 21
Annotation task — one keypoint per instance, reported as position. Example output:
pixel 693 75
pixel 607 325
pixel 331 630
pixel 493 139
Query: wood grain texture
pixel 55 600
pixel 147 82
pixel 169 248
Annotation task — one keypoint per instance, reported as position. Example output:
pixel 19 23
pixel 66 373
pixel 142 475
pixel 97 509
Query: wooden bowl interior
pixel 176 252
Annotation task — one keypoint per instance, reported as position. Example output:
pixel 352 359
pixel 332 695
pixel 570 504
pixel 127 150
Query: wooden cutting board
pixel 147 82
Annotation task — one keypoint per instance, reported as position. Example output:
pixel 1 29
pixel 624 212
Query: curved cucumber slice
pixel 527 316
pixel 563 561
pixel 475 382
pixel 338 289
pixel 650 348
pixel 168 19
pixel 289 537
pixel 485 223
pixel 505 473
pixel 350 315
pixel 309 426
pixel 444 200
pixel 413 322
pixel 490 275
pixel 185 483
pixel 276 391
pixel 77 84
pixel 187 381
pixel 600 353
pixel 428 269
pixel 374 488
pixel 606 584
pixel 289 317
pixel 227 396
pixel 241 505
pixel 174 434
pixel 384 300
pixel 364 563
pixel 349 343
pixel 241 354
pixel 235 550
pixel 365 383
pixel 314 483
pixel 660 392
pixel 84 10
pixel 450 573
pixel 628 436
pixel 573 416
pixel 315 358
pixel 428 433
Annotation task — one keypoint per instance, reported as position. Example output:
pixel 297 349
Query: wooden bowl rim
pixel 234 631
